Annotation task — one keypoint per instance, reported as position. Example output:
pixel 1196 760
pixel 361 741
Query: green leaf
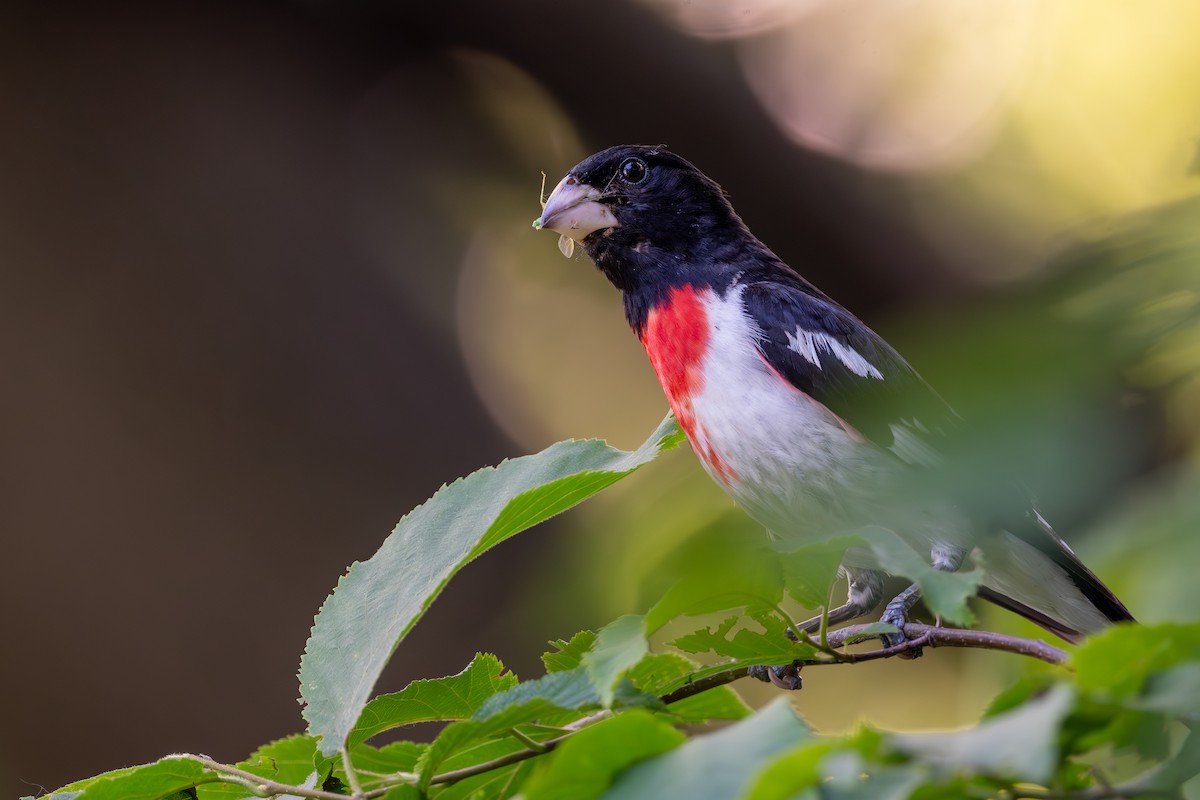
pixel 394 757
pixel 944 593
pixel 455 697
pixel 1035 682
pixel 154 781
pixel 659 673
pixel 848 777
pixel 568 655
pixel 550 700
pixel 1021 744
pixel 497 784
pixel 619 646
pixel 1175 691
pixel 379 600
pixel 809 572
pixel 1185 765
pixel 718 572
pixel 767 647
pixel 791 773
pixel 292 761
pixel 570 690
pixel 718 765
pixel 583 766
pixel 1117 662
pixel 718 703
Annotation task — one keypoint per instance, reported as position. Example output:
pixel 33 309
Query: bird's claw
pixel 897 615
pixel 786 677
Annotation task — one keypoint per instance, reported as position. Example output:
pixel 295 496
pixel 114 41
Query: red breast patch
pixel 676 339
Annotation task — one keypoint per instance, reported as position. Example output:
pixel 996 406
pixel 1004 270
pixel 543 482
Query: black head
pixel 645 216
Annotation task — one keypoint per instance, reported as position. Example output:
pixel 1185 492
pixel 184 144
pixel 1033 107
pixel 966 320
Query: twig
pixel 257 784
pixel 960 637
pixel 496 763
pixel 917 636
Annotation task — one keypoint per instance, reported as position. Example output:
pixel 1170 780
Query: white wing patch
pixel 809 344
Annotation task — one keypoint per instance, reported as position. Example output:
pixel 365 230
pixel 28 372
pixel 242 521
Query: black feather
pixel 892 395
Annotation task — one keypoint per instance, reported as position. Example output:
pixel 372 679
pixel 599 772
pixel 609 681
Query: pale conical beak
pixel 573 211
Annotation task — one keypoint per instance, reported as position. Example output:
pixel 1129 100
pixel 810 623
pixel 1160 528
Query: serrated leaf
pixel 451 698
pixel 944 593
pixel 769 646
pixel 152 781
pixel 619 646
pixel 292 760
pixel 582 767
pixel 569 690
pixel 551 695
pixel 1021 744
pixel 569 654
pixel 707 638
pixel 718 572
pixel 810 571
pixel 379 600
pixel 658 672
pixel 715 766
pixel 551 700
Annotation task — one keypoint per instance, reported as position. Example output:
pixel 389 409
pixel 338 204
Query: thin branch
pixel 496 763
pixel 258 784
pixel 960 637
pixel 917 637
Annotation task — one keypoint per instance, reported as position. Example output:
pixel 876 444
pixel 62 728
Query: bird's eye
pixel 633 170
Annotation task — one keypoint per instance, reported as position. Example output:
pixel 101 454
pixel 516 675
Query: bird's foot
pixel 785 677
pixel 896 613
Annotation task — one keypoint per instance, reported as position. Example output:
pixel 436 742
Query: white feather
pixel 809 343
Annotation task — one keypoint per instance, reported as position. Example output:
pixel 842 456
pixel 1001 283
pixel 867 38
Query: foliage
pixel 613 717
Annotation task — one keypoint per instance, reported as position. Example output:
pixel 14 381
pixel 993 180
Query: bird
pixel 804 415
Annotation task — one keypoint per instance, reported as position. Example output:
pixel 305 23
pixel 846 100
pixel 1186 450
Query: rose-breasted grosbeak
pixel 803 414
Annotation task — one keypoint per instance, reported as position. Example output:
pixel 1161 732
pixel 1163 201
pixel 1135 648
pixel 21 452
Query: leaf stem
pixel 356 789
pixel 528 741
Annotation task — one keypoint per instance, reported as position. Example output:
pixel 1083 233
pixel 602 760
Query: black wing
pixel 827 353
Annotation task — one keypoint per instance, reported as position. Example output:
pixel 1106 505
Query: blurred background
pixel 267 280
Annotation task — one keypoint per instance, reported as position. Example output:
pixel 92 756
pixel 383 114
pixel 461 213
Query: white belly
pixel 787 459
pixel 791 463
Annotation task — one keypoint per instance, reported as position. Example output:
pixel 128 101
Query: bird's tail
pixel 1036 575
